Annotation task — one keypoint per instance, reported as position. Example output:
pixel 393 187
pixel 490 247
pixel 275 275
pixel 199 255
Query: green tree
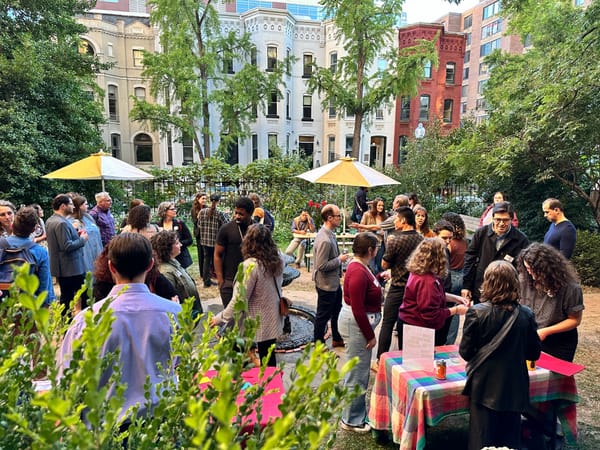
pixel 355 86
pixel 48 115
pixel 545 103
pixel 192 72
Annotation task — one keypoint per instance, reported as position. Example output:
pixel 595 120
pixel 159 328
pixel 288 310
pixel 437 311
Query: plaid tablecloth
pixel 405 400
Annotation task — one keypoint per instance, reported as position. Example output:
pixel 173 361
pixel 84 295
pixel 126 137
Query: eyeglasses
pixel 336 215
pixel 501 220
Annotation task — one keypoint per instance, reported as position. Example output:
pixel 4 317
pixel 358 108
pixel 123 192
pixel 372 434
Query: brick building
pixel 440 91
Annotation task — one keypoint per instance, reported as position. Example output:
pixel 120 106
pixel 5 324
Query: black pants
pixel 393 300
pixel 562 345
pixel 201 256
pixel 207 262
pixel 263 350
pixel 329 305
pixel 68 288
pixel 489 428
pixel 226 292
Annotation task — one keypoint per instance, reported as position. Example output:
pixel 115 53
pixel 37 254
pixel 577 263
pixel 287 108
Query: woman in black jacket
pixel 167 221
pixel 499 335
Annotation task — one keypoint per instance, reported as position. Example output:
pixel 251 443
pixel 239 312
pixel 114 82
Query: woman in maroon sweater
pixel 361 312
pixel 424 303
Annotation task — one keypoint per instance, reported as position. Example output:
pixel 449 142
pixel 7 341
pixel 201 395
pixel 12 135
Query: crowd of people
pixel 517 297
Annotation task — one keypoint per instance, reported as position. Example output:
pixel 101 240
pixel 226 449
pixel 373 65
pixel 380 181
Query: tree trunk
pixel 359 112
pixel 594 202
pixel 356 136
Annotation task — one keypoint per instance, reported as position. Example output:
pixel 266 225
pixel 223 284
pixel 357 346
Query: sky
pixel 429 10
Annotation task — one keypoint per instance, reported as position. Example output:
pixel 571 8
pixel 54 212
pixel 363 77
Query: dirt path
pixel 588 354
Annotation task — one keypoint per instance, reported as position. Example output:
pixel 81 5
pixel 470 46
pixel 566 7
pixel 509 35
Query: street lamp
pixel 419 133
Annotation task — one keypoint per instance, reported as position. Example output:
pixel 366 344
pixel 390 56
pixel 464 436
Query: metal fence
pixel 460 198
pixel 182 192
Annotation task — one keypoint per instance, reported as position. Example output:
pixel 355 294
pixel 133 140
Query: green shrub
pixel 186 416
pixel 586 257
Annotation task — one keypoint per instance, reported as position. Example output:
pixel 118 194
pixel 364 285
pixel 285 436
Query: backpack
pixel 11 256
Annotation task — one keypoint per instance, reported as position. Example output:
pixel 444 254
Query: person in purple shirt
pixel 103 217
pixel 141 330
pixel 561 234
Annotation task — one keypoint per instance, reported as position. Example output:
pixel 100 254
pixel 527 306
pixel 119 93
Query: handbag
pixel 284 310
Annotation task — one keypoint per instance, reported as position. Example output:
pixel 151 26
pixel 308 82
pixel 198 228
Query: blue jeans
pixel 457 283
pixel 329 304
pixel 355 413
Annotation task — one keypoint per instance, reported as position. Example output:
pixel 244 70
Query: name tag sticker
pixel 509 258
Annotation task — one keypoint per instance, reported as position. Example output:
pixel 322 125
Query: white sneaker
pixel 364 428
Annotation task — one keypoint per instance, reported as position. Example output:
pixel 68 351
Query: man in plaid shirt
pixel 209 221
pixel 398 248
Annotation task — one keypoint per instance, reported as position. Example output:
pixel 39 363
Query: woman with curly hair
pixel 550 287
pixel 422 221
pixel 424 303
pixel 167 247
pixel 138 221
pixel 499 335
pixel 263 289
pixel 167 221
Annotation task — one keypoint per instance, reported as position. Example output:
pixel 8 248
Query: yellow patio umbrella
pixel 347 172
pixel 99 166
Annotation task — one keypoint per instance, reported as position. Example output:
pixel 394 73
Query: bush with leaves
pixel 187 415
pixel 586 257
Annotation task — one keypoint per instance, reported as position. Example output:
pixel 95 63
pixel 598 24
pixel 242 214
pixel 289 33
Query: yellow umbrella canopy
pixel 99 166
pixel 347 172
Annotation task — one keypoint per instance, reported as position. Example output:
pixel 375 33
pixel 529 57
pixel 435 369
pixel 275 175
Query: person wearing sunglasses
pixel 167 212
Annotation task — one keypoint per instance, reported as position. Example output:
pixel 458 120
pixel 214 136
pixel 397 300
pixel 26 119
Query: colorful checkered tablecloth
pixel 405 400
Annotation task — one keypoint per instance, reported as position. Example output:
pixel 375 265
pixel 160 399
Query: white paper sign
pixel 418 347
